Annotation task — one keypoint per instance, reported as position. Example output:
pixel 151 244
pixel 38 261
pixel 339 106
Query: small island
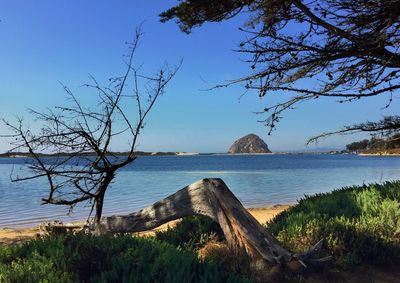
pixel 250 143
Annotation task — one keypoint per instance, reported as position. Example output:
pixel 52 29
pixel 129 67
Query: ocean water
pixel 257 180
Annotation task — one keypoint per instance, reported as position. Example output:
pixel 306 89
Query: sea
pixel 257 181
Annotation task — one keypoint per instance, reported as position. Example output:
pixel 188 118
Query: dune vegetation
pixel 360 224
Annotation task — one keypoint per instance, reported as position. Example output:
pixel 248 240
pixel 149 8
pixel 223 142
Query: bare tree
pixel 305 50
pixel 78 138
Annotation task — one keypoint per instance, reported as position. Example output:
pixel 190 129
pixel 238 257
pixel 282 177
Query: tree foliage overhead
pixel 193 13
pixel 350 48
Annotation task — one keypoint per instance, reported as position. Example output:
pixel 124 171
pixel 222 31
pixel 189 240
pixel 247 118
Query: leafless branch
pixel 79 165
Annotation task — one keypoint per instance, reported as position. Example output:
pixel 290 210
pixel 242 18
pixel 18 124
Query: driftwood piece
pixel 56 228
pixel 212 198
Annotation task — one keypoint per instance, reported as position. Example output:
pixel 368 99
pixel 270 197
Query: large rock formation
pixel 249 144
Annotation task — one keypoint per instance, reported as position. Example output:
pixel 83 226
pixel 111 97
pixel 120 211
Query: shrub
pixel 192 232
pixel 82 258
pixel 361 224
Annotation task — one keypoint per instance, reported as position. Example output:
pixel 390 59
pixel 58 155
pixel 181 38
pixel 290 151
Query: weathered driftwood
pixel 210 197
pixel 58 228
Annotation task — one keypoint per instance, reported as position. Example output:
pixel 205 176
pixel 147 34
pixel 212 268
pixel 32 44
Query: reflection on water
pixel 257 180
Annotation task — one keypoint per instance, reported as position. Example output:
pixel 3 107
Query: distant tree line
pixel 375 143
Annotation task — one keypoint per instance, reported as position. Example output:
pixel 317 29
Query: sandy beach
pixel 19 235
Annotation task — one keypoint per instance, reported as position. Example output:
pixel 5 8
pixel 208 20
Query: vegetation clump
pixel 361 224
pixel 83 258
pixel 192 233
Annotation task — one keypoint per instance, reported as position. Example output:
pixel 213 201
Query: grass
pixel 192 233
pixel 361 224
pixel 83 258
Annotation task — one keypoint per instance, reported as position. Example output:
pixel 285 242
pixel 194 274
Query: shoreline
pixel 11 235
pixel 379 154
pixel 192 154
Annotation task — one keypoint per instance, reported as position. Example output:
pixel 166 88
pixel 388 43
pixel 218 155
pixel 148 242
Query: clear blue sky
pixel 47 41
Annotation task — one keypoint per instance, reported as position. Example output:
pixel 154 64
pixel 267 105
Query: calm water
pixel 257 180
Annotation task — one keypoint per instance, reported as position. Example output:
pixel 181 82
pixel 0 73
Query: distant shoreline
pixel 379 154
pixel 183 153
pixel 89 154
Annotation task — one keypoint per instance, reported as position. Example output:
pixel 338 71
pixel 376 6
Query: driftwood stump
pixel 56 228
pixel 212 198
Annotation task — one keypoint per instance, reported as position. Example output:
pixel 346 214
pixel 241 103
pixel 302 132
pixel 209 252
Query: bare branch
pixel 72 147
pixel 347 49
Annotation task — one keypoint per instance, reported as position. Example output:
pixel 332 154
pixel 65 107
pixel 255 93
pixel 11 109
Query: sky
pixel 45 42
